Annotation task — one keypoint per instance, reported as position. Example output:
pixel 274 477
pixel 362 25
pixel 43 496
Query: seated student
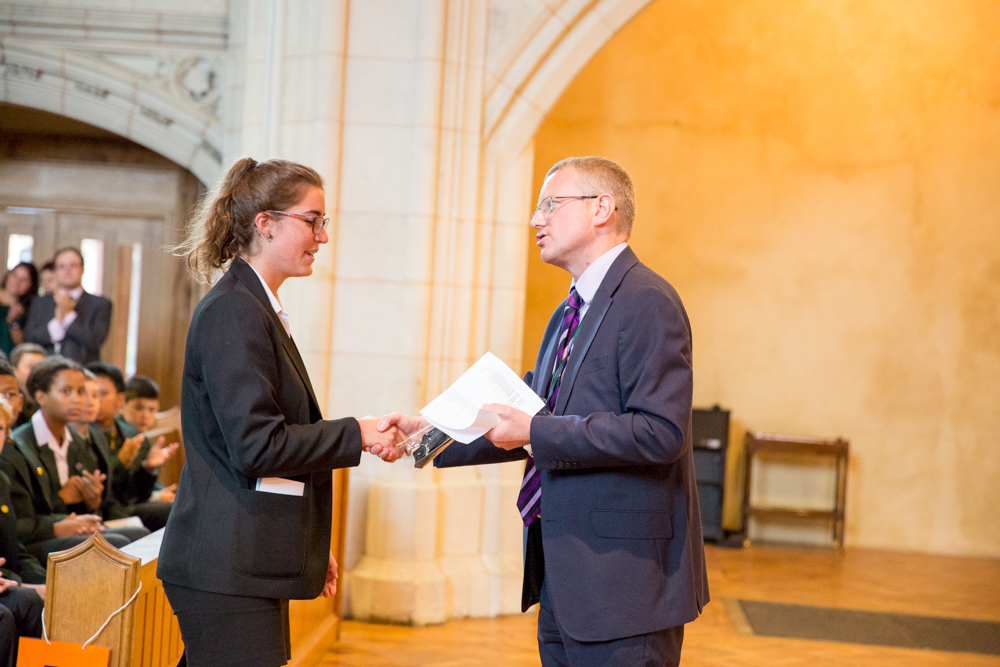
pixel 142 402
pixel 22 577
pixel 23 358
pixel 42 488
pixel 140 458
pixel 94 455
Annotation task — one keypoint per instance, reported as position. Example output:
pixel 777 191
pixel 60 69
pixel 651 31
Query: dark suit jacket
pixel 620 522
pixel 34 486
pixel 20 566
pixel 248 411
pixel 83 338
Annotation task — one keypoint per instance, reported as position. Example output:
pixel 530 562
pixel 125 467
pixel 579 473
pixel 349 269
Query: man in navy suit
pixel 69 321
pixel 613 543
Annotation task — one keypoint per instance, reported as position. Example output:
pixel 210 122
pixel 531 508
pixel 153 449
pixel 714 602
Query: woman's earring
pixel 269 237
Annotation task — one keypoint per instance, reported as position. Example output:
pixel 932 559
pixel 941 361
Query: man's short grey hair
pixel 605 176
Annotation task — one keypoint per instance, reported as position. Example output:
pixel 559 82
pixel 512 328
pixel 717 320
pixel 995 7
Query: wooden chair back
pixel 84 586
pixel 168 424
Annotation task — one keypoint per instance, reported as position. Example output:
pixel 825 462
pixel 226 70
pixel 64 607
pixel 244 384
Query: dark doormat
pixel 852 626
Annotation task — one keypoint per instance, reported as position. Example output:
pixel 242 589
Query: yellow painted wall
pixel 821 183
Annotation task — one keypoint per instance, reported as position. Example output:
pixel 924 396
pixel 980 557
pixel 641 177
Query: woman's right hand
pixel 381 443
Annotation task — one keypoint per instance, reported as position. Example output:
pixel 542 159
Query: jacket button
pixel 4 509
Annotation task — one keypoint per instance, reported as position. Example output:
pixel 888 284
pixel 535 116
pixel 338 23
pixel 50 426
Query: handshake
pixel 480 403
pixel 393 436
pixel 386 437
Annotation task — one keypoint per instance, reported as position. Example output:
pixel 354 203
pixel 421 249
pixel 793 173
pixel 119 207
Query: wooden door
pixel 129 251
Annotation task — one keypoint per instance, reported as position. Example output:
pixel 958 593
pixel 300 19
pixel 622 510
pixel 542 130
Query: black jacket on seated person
pixel 19 565
pixel 34 486
pixel 34 495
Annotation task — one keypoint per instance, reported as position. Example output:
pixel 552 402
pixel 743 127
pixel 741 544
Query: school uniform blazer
pixel 134 484
pixel 19 565
pixel 83 338
pixel 248 411
pixel 97 455
pixel 620 524
pixel 34 485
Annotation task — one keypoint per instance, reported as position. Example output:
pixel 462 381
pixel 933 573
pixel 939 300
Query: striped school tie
pixel 529 500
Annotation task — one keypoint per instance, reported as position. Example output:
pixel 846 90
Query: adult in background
pixel 20 287
pixel 613 543
pixel 236 548
pixel 69 321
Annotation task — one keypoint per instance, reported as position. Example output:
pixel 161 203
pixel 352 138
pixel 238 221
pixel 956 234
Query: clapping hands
pixel 159 453
pixel 85 488
pixel 130 448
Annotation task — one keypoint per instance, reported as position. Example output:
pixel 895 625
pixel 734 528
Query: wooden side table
pixel 757 443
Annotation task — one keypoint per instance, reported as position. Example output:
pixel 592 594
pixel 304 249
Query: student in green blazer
pixel 43 493
pixel 22 577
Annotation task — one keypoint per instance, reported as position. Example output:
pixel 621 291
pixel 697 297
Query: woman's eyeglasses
pixel 318 222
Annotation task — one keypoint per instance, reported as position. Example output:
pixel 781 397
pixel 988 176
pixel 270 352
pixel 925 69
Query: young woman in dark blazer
pixel 250 527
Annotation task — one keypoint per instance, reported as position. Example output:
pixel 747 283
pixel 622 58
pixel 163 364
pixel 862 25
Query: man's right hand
pixel 73 525
pixel 130 448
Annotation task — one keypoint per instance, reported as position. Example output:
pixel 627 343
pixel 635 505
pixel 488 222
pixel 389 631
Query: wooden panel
pixel 157 637
pixel 85 585
pixel 120 309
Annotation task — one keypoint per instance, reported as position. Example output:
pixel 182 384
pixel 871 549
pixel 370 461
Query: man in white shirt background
pixel 69 321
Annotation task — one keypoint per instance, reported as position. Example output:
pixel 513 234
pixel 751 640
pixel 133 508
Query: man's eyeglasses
pixel 318 222
pixel 550 204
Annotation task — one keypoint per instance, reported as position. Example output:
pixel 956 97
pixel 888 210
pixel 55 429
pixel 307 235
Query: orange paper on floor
pixel 36 653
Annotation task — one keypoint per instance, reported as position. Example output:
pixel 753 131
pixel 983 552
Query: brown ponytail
pixel 222 226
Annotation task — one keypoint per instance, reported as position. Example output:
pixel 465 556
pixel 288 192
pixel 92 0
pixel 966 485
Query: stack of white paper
pixel 458 411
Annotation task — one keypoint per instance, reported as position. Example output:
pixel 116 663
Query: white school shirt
pixel 45 438
pixel 282 314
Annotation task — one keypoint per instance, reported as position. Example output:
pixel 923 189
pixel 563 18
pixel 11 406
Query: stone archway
pixel 112 98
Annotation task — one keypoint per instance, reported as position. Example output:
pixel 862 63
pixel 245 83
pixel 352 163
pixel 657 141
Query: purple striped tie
pixel 529 500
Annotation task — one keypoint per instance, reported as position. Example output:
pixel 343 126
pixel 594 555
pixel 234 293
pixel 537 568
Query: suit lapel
pixel 592 322
pixel 246 275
